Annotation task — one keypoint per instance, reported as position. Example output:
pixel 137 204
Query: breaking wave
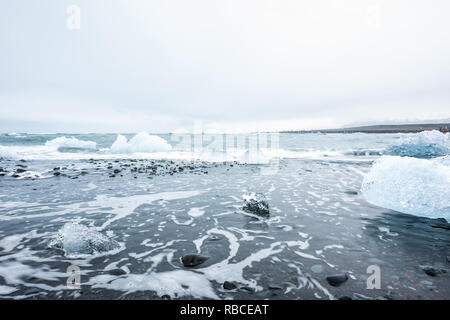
pixel 425 144
pixel 71 143
pixel 7 153
pixel 415 186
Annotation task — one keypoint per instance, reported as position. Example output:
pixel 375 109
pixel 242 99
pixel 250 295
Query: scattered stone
pixel 229 286
pixel 20 170
pixel 274 287
pixel 247 289
pixel 430 271
pixel 116 171
pixel 117 272
pixel 337 279
pixel 257 204
pixel 433 272
pixel 352 192
pixel 165 297
pixel 193 260
pixel 56 173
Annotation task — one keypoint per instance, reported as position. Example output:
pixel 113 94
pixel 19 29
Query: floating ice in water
pixel 142 142
pixel 76 239
pixel 71 143
pixel 425 144
pixel 416 186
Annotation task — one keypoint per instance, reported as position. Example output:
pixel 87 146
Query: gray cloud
pixel 239 65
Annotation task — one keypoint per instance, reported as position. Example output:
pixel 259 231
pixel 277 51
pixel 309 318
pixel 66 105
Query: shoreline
pixel 395 128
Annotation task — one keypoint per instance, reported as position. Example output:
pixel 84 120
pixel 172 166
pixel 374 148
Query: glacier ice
pixel 142 142
pixel 415 186
pixel 425 144
pixel 77 240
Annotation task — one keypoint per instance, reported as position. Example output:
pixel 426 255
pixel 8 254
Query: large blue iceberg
pixel 415 186
pixel 425 144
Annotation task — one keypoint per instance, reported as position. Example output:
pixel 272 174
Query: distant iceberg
pixel 415 186
pixel 142 142
pixel 425 144
pixel 71 143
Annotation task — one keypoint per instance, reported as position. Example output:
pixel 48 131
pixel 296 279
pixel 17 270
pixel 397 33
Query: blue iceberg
pixel 415 186
pixel 425 144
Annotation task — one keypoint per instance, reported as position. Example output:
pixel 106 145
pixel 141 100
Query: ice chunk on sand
pixel 416 186
pixel 76 239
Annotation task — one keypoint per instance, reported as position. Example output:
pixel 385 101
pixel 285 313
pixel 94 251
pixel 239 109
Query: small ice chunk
pixel 76 239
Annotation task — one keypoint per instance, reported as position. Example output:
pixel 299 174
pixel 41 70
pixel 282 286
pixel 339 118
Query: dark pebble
pixel 247 289
pixel 193 260
pixel 117 272
pixel 430 271
pixel 229 286
pixel 273 287
pixel 337 279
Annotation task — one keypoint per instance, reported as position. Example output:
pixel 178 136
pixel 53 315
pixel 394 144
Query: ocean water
pixel 124 208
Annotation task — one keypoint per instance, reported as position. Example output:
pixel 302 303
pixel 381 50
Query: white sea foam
pixel 142 142
pixel 73 143
pixel 7 153
pixel 415 186
pixel 178 283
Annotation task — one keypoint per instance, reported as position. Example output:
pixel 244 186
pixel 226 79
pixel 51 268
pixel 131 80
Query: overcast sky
pixel 229 65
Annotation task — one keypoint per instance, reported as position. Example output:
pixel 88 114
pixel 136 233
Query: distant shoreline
pixel 394 128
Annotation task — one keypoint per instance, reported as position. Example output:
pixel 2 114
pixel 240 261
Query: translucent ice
pixel 416 186
pixel 425 144
pixel 142 142
pixel 76 239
